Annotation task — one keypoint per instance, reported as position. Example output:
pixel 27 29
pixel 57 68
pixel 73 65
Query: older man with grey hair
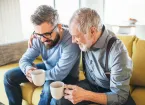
pixel 107 72
pixel 60 57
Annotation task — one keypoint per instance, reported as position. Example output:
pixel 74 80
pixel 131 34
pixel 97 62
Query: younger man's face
pixel 47 34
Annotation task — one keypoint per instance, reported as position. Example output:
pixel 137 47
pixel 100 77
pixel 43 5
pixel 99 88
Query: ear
pixel 92 31
pixel 59 27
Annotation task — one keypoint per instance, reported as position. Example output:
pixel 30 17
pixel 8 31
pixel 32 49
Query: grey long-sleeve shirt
pixel 119 65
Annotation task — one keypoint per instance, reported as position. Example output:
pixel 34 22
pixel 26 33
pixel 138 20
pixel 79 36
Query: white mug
pixel 38 77
pixel 57 89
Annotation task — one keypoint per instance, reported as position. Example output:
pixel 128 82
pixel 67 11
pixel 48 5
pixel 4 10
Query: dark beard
pixel 53 42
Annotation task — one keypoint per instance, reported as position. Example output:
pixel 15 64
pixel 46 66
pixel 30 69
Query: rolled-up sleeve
pixel 121 71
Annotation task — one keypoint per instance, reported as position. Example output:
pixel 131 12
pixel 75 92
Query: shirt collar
pixel 102 40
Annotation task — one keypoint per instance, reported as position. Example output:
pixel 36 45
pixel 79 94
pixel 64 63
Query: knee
pixel 8 77
pixel 46 87
pixel 45 93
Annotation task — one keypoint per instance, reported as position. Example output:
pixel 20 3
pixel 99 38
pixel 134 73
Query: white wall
pixel 66 8
pixel 117 11
pixel 10 22
pixel 98 5
pixel 15 26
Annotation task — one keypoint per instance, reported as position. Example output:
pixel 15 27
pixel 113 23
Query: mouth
pixel 48 42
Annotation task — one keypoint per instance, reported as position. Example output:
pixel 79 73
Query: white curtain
pixel 10 21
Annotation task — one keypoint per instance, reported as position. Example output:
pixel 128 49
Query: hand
pixel 28 74
pixel 74 93
pixel 30 41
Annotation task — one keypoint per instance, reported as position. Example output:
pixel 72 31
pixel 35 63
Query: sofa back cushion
pixel 12 52
pixel 128 42
pixel 138 58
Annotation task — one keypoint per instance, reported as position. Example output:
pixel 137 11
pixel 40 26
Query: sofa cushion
pixel 39 57
pixel 81 75
pixel 139 95
pixel 128 42
pixel 138 58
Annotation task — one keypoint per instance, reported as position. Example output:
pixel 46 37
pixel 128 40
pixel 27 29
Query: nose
pixel 43 39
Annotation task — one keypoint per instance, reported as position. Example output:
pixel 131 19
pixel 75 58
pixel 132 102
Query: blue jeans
pixel 12 80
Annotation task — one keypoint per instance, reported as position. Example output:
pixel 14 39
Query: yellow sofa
pixel 136 50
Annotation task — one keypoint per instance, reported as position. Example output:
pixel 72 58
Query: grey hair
pixel 85 18
pixel 45 13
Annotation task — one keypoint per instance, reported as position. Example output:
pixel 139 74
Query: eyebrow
pixel 46 32
pixel 43 33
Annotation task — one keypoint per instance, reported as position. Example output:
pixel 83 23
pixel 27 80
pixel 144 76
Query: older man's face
pixel 79 38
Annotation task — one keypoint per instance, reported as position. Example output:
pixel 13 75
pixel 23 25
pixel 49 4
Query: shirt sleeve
pixel 70 55
pixel 26 62
pixel 121 71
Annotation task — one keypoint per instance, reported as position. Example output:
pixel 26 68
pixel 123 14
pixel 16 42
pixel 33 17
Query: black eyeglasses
pixel 45 35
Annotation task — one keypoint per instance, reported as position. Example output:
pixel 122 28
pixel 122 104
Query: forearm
pixel 27 59
pixel 100 98
pixel 24 65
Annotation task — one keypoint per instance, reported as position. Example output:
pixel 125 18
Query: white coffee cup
pixel 57 89
pixel 38 77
